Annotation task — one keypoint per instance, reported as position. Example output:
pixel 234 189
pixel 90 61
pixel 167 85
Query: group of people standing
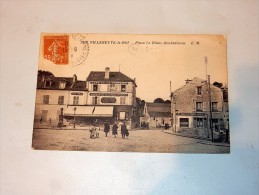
pixel 124 130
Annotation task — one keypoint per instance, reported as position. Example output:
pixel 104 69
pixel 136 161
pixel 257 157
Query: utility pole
pixel 210 121
pixel 170 88
pixel 209 100
pixel 206 63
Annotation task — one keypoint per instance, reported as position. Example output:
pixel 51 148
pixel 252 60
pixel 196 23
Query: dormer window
pixel 95 87
pixel 123 88
pixel 48 83
pixel 199 90
pixel 62 84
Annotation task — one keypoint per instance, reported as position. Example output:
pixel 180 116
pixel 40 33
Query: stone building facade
pixel 116 91
pixel 54 94
pixel 194 109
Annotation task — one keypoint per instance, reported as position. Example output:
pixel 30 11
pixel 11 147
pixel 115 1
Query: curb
pixel 201 141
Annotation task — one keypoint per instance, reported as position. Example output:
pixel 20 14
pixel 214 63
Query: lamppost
pixel 61 116
pixel 74 117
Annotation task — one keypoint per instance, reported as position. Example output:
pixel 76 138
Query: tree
pixel 168 101
pixel 217 84
pixel 44 73
pixel 143 102
pixel 159 100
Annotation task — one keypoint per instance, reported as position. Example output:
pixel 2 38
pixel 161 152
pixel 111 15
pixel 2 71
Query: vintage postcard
pixel 132 93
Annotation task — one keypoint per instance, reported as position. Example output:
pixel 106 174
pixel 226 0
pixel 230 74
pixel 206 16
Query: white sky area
pixel 153 65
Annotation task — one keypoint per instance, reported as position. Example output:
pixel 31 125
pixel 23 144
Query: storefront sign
pixel 76 93
pixel 108 94
pixel 108 100
pixel 107 82
pixel 190 114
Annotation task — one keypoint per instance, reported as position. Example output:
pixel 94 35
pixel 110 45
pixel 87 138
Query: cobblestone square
pixel 156 141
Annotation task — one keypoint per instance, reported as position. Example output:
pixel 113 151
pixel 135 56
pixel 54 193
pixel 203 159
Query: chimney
pixel 74 78
pixel 107 73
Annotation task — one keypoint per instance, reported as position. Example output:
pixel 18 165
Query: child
pixel 92 131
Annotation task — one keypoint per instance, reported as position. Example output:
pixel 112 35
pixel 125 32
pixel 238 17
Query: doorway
pixel 44 115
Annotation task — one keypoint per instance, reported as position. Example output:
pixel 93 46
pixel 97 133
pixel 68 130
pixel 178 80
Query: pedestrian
pixel 92 130
pixel 106 128
pixel 114 130
pixel 123 130
pixel 127 132
pixel 40 120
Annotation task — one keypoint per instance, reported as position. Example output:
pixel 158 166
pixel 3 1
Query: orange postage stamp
pixel 55 48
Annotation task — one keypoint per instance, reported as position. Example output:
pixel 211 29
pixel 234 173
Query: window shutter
pixel 194 105
pixel 220 106
pixel 126 87
pixel 92 100
pixel 204 106
pixel 98 100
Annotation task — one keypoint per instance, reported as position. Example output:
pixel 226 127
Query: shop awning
pixel 89 111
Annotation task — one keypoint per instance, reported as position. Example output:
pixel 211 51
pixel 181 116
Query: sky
pixel 154 60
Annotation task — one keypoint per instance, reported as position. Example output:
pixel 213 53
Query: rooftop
pixel 113 76
pixel 55 82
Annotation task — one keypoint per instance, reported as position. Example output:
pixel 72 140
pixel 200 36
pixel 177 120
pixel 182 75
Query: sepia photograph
pixel 132 93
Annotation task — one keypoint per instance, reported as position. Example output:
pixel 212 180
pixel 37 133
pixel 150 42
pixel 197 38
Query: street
pixel 138 141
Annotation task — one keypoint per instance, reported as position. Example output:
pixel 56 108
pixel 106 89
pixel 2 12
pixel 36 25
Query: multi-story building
pixel 198 106
pixel 103 96
pixel 113 91
pixel 54 94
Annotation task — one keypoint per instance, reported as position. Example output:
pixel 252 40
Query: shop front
pixel 86 115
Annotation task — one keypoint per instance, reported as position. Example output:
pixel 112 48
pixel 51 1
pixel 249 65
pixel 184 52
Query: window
pixel 123 100
pixel 95 87
pixel 60 100
pixel 122 115
pixel 184 122
pixel 214 106
pixel 62 84
pixel 198 106
pixel 199 122
pixel 47 83
pixel 123 88
pixel 75 100
pixel 112 87
pixel 127 116
pixel 199 90
pixel 45 99
pixel 94 100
